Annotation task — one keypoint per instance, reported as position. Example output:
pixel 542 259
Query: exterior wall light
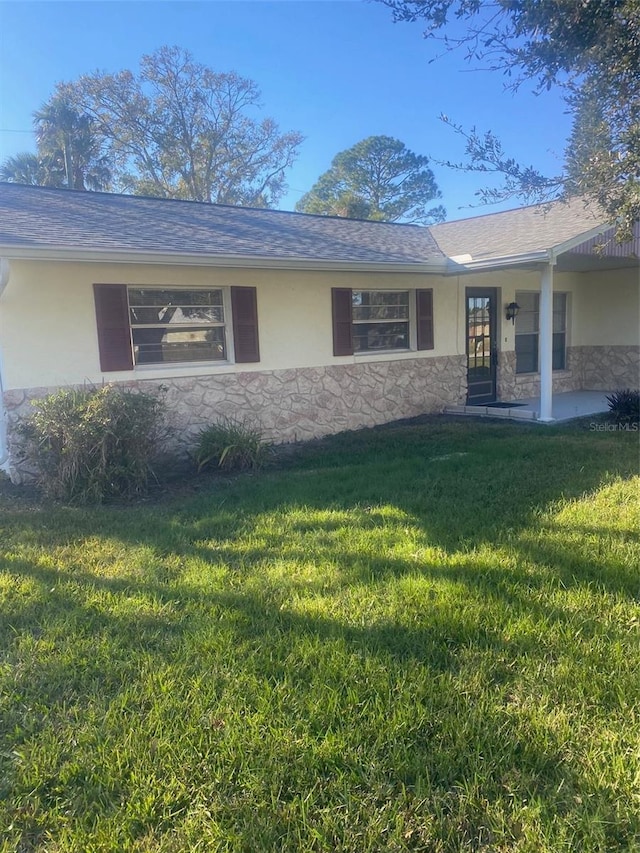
pixel 511 311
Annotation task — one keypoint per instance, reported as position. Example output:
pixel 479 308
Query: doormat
pixel 504 405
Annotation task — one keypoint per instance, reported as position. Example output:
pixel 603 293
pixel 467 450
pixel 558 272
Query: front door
pixel 481 345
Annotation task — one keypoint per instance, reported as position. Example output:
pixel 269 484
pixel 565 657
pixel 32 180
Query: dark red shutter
pixel 244 307
pixel 114 332
pixel 341 309
pixel 424 312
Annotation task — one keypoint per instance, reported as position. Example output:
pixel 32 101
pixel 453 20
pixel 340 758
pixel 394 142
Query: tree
pixel 69 151
pixel 546 40
pixel 28 168
pixel 378 178
pixel 71 142
pixel 181 130
pixel 591 48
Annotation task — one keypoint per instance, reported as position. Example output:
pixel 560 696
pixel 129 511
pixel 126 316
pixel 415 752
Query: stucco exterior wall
pixel 603 331
pixel 48 329
pixel 299 389
pixel 603 307
pixel 608 310
pixel 48 339
pixel 48 325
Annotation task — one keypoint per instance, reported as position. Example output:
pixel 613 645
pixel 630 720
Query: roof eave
pixel 501 262
pixel 49 253
pixel 583 237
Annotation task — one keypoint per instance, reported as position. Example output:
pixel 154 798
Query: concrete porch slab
pixel 571 404
pixel 565 407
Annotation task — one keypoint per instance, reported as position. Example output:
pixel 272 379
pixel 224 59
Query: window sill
pixel 559 374
pixel 180 365
pixel 369 353
pixel 183 370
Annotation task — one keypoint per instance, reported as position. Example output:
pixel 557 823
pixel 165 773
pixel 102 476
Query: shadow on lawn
pixel 168 608
pixel 269 634
pixel 270 639
pixel 474 479
pixel 462 506
pixel 459 505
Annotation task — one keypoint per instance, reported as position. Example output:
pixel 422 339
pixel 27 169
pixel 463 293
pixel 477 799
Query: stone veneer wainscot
pixel 589 368
pixel 294 404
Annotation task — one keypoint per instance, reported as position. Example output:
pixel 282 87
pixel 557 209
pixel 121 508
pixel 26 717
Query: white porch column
pixel 5 271
pixel 546 343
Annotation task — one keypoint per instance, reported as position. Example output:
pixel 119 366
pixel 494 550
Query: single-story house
pixel 308 324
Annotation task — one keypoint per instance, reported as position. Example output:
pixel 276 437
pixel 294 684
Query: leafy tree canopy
pixel 70 151
pixel 26 168
pixel 379 179
pixel 589 47
pixel 178 129
pixel 69 141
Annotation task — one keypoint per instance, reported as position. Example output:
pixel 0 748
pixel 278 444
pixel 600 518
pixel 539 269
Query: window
pixel 169 325
pixel 370 321
pixel 559 331
pixel 527 326
pixel 380 319
pixel 173 325
pixel 528 332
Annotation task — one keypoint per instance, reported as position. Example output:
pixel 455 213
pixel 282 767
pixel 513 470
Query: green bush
pixel 94 443
pixel 624 406
pixel 232 444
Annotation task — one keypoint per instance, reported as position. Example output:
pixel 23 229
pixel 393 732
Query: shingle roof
pixel 516 232
pixel 43 218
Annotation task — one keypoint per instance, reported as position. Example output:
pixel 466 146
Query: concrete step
pixel 516 413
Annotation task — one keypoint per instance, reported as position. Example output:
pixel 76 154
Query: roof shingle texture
pixel 516 232
pixel 37 217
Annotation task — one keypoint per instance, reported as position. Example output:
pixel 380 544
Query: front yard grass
pixel 421 638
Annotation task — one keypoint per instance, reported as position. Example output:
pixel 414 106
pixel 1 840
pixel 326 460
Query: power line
pixel 13 130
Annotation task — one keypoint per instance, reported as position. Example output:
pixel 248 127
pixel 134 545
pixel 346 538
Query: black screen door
pixel 481 345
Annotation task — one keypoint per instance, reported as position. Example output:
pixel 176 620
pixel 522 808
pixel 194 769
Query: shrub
pixel 624 406
pixel 232 444
pixel 93 443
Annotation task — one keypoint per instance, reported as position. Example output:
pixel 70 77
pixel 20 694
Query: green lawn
pixel 419 638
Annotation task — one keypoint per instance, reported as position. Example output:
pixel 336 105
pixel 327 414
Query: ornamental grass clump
pixel 624 406
pixel 232 444
pixel 87 445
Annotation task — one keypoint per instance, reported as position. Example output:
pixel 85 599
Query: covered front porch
pixel 550 335
pixel 598 256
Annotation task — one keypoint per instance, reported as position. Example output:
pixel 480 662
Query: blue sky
pixel 335 71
